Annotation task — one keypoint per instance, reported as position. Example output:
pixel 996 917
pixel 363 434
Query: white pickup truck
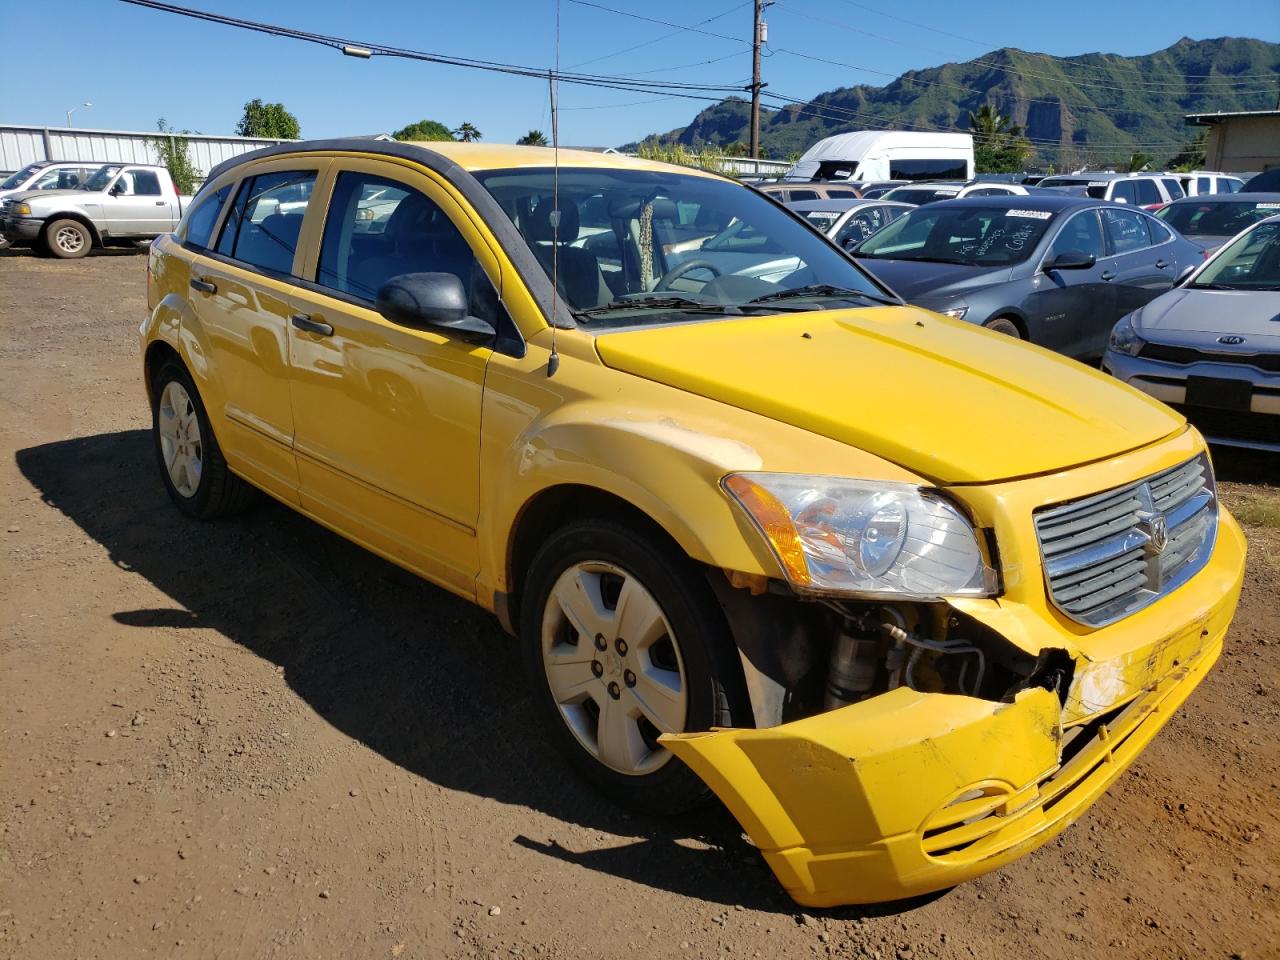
pixel 118 205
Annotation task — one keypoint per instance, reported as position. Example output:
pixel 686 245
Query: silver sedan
pixel 1211 346
pixel 849 222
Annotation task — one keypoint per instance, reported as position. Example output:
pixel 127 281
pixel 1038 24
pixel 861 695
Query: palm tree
pixel 534 138
pixel 998 143
pixel 467 133
pixel 1137 162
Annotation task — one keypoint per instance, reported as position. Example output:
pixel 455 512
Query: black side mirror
pixel 1070 260
pixel 1185 275
pixel 431 301
pixel 117 188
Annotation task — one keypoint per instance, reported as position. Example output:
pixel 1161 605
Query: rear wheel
pixel 68 239
pixel 1004 325
pixel 191 463
pixel 623 642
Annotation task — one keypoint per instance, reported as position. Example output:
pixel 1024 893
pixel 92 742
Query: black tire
pixel 712 672
pixel 5 243
pixel 219 492
pixel 57 238
pixel 1004 325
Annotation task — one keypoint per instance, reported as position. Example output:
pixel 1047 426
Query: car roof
pixel 840 204
pixel 1229 198
pixel 1035 201
pixel 471 157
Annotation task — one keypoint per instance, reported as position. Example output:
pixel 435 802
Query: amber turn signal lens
pixel 775 523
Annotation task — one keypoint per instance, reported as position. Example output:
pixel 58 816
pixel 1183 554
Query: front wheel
pixel 67 239
pixel 1004 325
pixel 623 641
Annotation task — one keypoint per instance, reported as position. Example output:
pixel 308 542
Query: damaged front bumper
pixel 909 792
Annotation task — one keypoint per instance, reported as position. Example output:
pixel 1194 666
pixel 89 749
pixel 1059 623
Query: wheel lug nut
pixel 614 690
pixel 629 678
pixel 622 647
pixel 597 668
pixel 600 642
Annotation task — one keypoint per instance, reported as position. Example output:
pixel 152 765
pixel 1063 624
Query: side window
pixel 1126 230
pixel 1080 234
pixel 793 195
pixel 1124 192
pixel 406 233
pixel 1173 188
pixel 1148 192
pixel 123 186
pixel 203 216
pixel 50 180
pixel 146 183
pixel 1230 184
pixel 1204 185
pixel 263 226
pixel 1159 232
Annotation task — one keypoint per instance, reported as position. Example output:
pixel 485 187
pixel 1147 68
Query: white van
pixel 887 155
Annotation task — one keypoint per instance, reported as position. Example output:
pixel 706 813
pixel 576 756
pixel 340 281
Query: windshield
pixel 1212 218
pixel 920 196
pixel 1250 262
pixel 19 178
pixel 101 177
pixel 947 233
pixel 643 246
pixel 822 219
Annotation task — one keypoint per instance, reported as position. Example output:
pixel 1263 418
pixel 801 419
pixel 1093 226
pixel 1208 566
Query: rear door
pixel 1067 308
pixel 1141 256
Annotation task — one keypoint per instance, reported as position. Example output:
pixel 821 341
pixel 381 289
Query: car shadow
pixel 424 678
pixel 18 253
pixel 1243 465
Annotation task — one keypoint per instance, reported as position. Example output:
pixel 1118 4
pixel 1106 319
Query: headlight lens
pixel 1124 338
pixel 21 209
pixel 956 312
pixel 833 535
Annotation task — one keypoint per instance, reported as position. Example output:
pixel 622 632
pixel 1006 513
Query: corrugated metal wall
pixel 21 145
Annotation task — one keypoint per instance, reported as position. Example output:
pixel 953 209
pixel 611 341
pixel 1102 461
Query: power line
pixel 680 28
pixel 665 36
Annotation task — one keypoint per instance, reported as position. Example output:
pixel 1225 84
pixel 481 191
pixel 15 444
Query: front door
pixel 136 206
pixel 241 293
pixel 386 417
pixel 1067 308
pixel 1143 269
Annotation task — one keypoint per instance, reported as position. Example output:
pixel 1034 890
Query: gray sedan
pixel 1059 271
pixel 848 222
pixel 1212 220
pixel 1211 347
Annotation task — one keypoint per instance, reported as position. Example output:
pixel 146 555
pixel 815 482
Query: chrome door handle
pixel 204 286
pixel 303 322
pixel 1161 264
pixel 1108 275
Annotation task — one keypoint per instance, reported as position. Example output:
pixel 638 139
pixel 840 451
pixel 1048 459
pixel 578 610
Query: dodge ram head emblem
pixel 1231 340
pixel 1158 531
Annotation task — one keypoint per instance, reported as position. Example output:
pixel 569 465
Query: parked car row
pixel 66 209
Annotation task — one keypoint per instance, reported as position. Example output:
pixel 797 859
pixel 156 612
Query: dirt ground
pixel 252 739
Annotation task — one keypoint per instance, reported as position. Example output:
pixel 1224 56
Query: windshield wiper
pixel 658 303
pixel 819 290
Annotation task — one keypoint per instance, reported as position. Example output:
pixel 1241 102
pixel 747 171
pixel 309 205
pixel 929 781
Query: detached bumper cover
pixel 908 793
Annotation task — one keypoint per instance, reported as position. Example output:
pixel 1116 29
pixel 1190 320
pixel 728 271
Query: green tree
pixel 1138 161
pixel 270 120
pixel 467 133
pixel 534 138
pixel 173 154
pixel 1191 156
pixel 424 130
pixel 999 145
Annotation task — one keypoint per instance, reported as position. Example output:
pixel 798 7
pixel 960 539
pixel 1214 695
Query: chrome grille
pixel 1112 553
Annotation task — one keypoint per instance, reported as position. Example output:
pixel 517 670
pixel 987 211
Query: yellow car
pixel 906 594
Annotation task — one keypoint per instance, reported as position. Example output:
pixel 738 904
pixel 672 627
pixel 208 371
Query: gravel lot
pixel 252 739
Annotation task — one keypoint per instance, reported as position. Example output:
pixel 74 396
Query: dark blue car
pixel 1056 270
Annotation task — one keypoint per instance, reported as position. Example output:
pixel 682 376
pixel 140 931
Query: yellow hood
pixel 945 399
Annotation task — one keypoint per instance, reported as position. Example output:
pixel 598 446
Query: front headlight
pixel 956 312
pixel 20 209
pixel 1124 338
pixel 833 535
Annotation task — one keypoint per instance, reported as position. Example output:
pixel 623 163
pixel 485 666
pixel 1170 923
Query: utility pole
pixel 758 36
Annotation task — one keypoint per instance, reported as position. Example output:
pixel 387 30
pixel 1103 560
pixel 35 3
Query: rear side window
pixel 1229 184
pixel 841 195
pixel 1148 192
pixel 1124 192
pixel 1159 232
pixel 203 217
pixel 1204 185
pixel 1174 188
pixel 263 226
pixel 793 195
pixel 1126 230
pixel 378 229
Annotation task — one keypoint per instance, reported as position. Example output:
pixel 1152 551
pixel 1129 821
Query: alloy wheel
pixel 69 239
pixel 180 442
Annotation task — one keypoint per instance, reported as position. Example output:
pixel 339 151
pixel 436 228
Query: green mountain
pixel 1092 109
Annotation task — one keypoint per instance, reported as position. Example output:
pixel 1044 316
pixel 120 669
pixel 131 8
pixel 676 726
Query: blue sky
pixel 136 65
